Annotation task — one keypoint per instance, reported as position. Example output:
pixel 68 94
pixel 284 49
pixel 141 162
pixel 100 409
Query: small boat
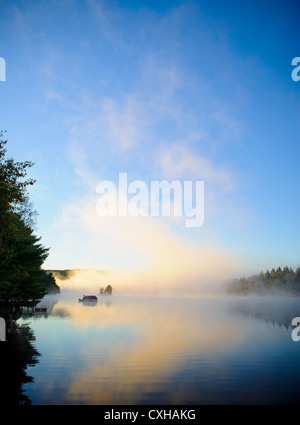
pixel 88 299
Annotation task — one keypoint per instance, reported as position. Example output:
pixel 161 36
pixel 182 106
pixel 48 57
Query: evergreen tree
pixel 282 280
pixel 49 282
pixel 20 266
pixel 21 254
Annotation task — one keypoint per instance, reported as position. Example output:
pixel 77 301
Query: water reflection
pixel 275 310
pixel 17 353
pixel 130 350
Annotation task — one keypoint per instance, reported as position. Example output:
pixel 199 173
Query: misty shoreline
pixel 279 283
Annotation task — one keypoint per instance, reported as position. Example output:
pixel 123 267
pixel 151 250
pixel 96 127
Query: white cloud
pixel 53 95
pixel 122 123
pixel 178 162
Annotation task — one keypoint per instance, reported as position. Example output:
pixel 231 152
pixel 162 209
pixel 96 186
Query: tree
pixel 108 290
pixel 13 190
pixel 20 266
pixel 21 254
pixel 50 284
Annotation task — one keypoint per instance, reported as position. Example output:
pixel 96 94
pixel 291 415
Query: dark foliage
pixel 277 281
pixel 50 284
pixel 106 291
pixel 21 253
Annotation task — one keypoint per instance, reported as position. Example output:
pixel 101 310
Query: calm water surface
pixel 132 350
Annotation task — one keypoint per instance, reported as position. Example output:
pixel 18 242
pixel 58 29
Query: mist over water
pixel 165 350
pixel 152 282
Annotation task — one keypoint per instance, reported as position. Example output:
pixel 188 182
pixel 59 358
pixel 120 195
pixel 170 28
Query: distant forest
pixel 277 281
pixel 62 274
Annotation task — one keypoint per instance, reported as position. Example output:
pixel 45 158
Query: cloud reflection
pixel 168 334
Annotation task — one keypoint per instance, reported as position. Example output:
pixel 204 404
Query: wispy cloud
pixel 122 124
pixel 53 95
pixel 179 162
pixel 165 124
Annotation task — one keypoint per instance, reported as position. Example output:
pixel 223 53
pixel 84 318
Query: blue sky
pixel 161 90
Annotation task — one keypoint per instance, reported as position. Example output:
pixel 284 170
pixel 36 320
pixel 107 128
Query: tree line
pixel 23 282
pixel 273 281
